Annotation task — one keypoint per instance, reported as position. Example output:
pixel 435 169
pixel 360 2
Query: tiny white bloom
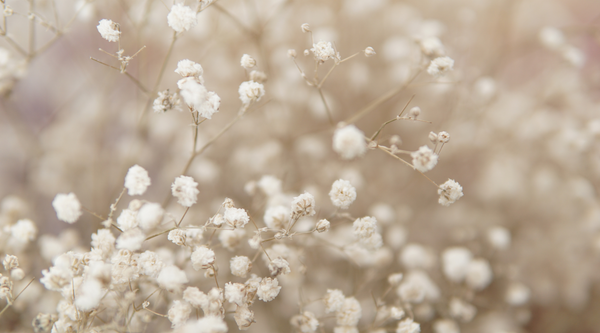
pixel 188 68
pixel 251 91
pixel 247 61
pixel 342 193
pixel 185 189
pixel 440 66
pixel 67 207
pixel 424 159
pixel 349 142
pixel 181 18
pixel 449 192
pixel 109 30
pixel 137 180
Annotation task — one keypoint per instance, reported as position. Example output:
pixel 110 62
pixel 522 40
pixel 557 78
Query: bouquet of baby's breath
pixel 223 165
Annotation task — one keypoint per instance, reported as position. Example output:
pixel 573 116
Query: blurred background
pixel 521 105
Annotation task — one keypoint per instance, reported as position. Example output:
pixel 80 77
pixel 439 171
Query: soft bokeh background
pixel 524 121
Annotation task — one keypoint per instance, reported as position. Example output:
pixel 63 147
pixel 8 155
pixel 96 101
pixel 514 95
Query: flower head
pixel 181 18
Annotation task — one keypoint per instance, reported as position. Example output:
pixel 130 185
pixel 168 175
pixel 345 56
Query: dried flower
pixel 247 61
pixel 67 207
pixel 369 52
pixel 349 142
pixel 185 189
pixel 449 192
pixel 303 205
pixel 424 159
pixel 240 266
pixel 188 68
pixel 137 180
pixel 181 18
pixel 440 66
pixel 250 92
pixel 342 193
pixel 109 30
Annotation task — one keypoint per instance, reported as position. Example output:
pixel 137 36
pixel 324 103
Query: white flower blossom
pixel 137 180
pixel 247 61
pixel 181 18
pixel 188 68
pixel 251 91
pixel 323 50
pixel 342 193
pixel 240 266
pixel 178 314
pixel 236 217
pixel 449 192
pixel 185 189
pixel 202 257
pixel 109 30
pixel 424 159
pixel 440 66
pixel 268 289
pixel 349 142
pixel 67 207
pixel 303 205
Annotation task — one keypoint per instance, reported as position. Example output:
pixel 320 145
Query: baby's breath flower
pixel 251 91
pixel 127 220
pixel 424 159
pixel 443 137
pixel 236 217
pixel 197 97
pixel 240 266
pixel 432 47
pixel 67 207
pixel 137 180
pixel 440 66
pixel 179 313
pixel 479 274
pixel 365 227
pixel 303 205
pixel 149 216
pixel 172 278
pixel 109 30
pixel 342 193
pixel 414 112
pixel 23 231
pixel 207 324
pixel 449 192
pixel 89 296
pixel 150 264
pixel 185 189
pixel 165 101
pixel 323 51
pixel 258 76
pixel 195 297
pixel 461 310
pixel 349 313
pixel 177 236
pixel 43 322
pixel 188 68
pixel 334 299
pixel 247 61
pixel 305 27
pixel 231 239
pixel 323 225
pixel 279 266
pixel 306 322
pixel 243 317
pixel 408 326
pixel 268 289
pixel 181 18
pixel 202 257
pixel 235 293
pixel 276 217
pixel 349 142
pixel 455 262
pixel 131 240
pixel 369 52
